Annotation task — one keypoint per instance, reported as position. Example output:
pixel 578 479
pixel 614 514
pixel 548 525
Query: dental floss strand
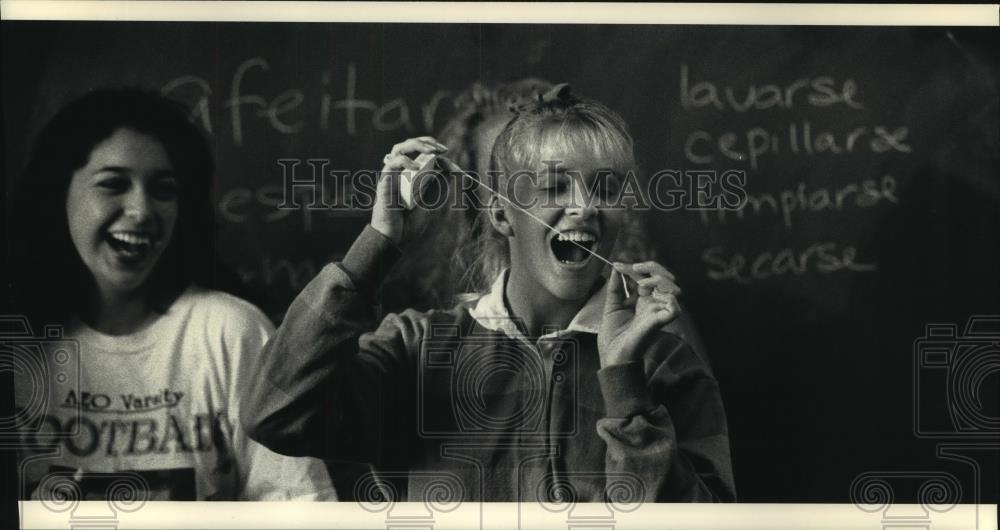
pixel 547 225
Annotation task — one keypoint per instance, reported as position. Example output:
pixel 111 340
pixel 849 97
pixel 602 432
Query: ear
pixel 498 216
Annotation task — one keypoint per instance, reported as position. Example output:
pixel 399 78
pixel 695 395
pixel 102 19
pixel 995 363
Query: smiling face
pixel 575 197
pixel 122 209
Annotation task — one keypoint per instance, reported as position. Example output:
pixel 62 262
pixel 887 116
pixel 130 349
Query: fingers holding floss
pixel 650 279
pixel 412 181
pixel 413 172
pixel 621 268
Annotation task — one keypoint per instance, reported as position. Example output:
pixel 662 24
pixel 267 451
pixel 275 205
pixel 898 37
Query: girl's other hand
pixel 389 216
pixel 629 321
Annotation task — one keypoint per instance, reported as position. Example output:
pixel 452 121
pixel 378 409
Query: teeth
pixel 132 238
pixel 576 235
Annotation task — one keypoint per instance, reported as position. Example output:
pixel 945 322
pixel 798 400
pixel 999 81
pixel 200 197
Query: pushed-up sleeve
pixel 665 426
pixel 326 383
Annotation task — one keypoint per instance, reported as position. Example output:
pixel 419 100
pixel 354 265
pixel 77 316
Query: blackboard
pixel 872 158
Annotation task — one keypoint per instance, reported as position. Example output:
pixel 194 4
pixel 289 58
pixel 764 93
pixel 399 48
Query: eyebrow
pixel 600 172
pixel 112 169
pixel 123 169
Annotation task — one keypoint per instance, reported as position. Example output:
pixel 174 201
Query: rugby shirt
pixel 460 401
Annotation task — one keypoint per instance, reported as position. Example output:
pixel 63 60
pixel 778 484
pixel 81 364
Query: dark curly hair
pixel 51 278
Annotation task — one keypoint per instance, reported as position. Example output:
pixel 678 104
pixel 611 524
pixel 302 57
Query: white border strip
pixel 508 12
pixel 230 515
pixel 36 515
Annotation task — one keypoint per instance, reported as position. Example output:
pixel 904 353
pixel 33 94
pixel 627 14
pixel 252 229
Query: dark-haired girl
pixel 114 225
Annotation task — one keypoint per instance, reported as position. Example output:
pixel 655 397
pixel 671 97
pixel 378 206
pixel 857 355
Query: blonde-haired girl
pixel 553 382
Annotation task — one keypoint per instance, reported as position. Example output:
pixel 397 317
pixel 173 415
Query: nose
pixel 138 203
pixel 581 203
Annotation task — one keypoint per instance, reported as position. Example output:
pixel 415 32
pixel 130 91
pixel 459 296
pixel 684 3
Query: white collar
pixel 491 312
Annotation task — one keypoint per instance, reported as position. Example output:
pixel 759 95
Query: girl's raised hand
pixel 629 321
pixel 388 215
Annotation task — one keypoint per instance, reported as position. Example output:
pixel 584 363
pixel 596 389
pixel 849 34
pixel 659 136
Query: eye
pixel 114 183
pixel 556 185
pixel 165 188
pixel 609 187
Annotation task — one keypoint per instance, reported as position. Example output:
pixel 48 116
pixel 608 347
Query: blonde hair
pixel 542 127
pixel 459 255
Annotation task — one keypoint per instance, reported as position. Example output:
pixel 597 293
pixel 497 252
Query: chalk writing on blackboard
pixel 285 111
pixel 277 270
pixel 825 257
pixel 821 91
pixel 804 199
pixel 779 140
pixel 796 137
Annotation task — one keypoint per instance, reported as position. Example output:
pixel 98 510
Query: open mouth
pixel 130 246
pixel 573 247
